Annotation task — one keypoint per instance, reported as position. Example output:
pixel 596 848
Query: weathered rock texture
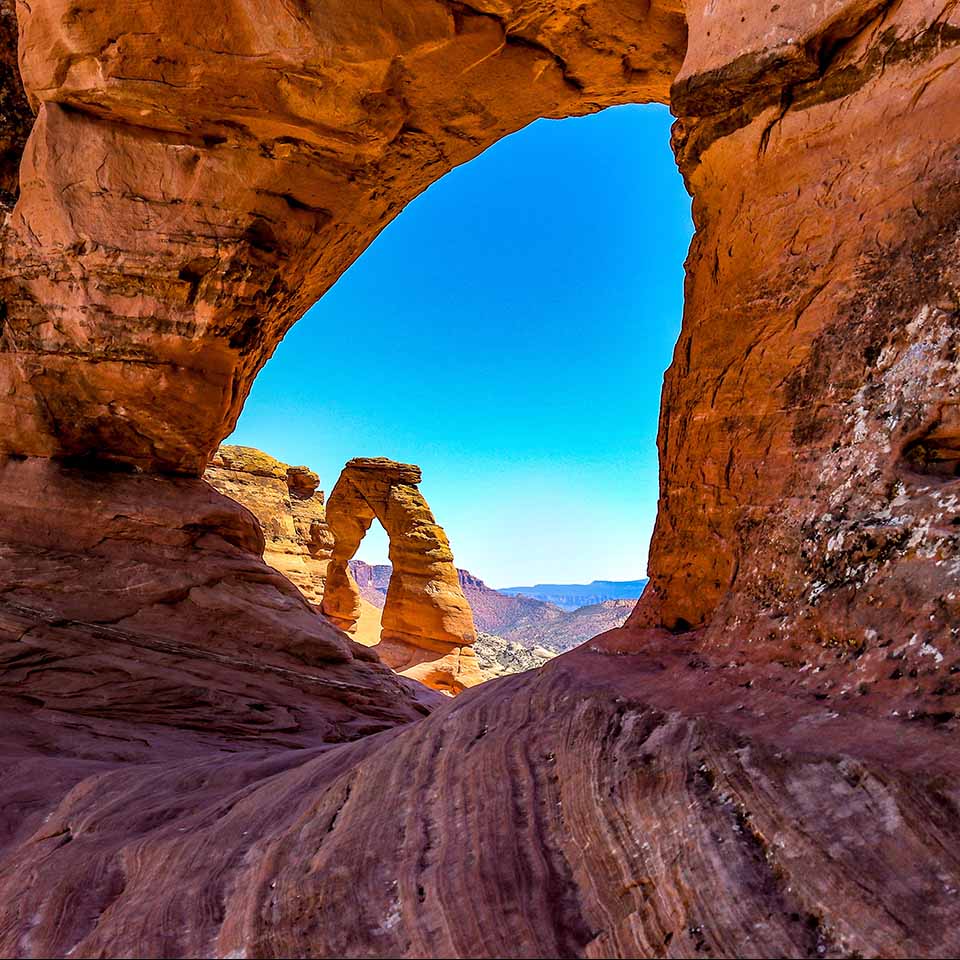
pixel 808 430
pixel 16 118
pixel 761 763
pixel 289 505
pixel 427 623
pixel 199 175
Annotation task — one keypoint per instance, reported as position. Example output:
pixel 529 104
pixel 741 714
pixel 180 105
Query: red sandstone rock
pixel 130 597
pixel 818 342
pixel 427 623
pixel 200 174
pixel 761 764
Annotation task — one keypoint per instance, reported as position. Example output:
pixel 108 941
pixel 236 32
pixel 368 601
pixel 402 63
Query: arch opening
pixel 462 336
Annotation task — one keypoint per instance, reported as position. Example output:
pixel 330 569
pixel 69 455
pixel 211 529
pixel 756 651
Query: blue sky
pixel 508 332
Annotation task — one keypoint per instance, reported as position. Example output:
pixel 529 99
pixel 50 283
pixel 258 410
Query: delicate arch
pixel 426 617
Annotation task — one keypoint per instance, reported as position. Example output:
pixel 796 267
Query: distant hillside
pixel 572 627
pixel 492 611
pixel 372 579
pixel 570 596
pixel 524 620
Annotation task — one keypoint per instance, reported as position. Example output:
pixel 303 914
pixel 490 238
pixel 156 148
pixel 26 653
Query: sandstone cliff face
pixel 760 763
pixel 287 502
pixel 427 623
pixel 807 431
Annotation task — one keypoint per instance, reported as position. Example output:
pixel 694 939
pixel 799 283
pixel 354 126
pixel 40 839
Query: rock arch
pixel 196 176
pixel 427 624
pixel 195 180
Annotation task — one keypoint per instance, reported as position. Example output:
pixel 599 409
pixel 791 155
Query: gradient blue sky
pixel 508 332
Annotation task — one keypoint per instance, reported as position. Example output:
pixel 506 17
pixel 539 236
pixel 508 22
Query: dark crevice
pixel 936 451
pixel 16 117
pixel 715 104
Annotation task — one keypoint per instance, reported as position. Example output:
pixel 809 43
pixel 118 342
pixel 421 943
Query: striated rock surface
pixel 613 824
pixel 289 505
pixel 761 763
pixel 427 625
pixel 136 608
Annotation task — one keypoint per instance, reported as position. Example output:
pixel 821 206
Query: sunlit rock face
pixel 761 763
pixel 288 504
pixel 197 177
pixel 428 629
pixel 809 431
pixel 427 625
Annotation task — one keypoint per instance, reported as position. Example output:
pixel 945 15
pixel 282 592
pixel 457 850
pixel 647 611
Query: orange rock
pixel 427 624
pixel 199 175
pixel 287 502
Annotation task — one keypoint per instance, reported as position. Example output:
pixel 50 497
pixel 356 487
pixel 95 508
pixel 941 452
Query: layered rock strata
pixel 807 433
pixel 761 763
pixel 198 176
pixel 427 625
pixel 135 609
pixel 290 507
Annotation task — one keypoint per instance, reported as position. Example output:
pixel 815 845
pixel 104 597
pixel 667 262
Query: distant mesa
pixel 569 596
pixel 524 620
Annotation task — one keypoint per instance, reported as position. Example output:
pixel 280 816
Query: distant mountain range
pixel 530 621
pixel 570 596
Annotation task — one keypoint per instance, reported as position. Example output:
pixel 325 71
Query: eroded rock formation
pixel 289 505
pixel 198 176
pixel 427 624
pixel 818 344
pixel 761 763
